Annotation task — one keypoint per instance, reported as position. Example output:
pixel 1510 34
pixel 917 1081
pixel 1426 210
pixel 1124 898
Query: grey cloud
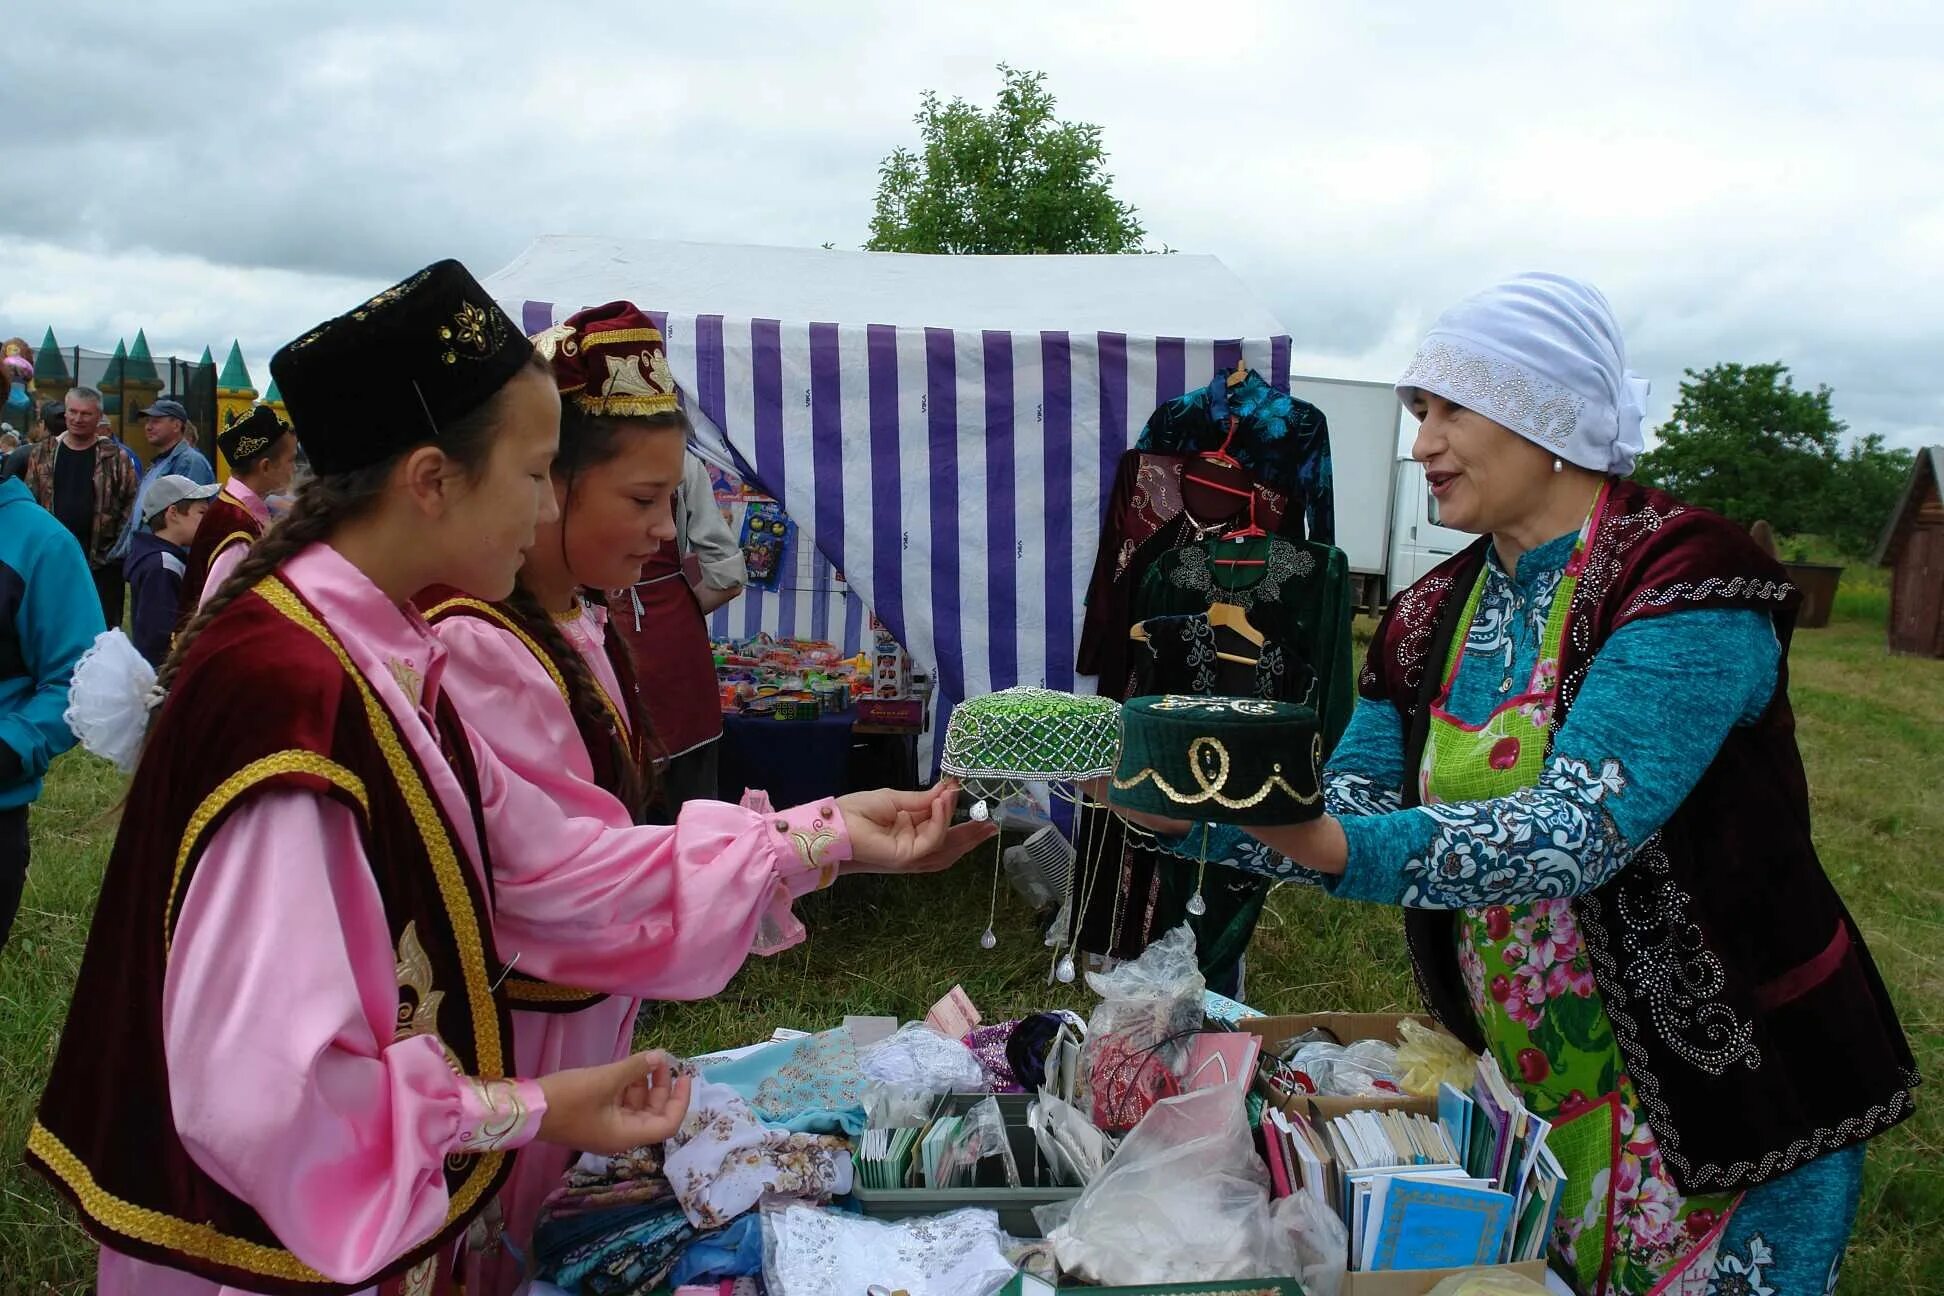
pixel 1743 188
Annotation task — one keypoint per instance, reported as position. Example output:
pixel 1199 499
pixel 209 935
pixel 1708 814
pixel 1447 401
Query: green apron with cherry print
pixel 1623 1229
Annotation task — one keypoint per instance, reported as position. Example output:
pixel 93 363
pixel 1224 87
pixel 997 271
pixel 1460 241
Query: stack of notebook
pixel 1506 1142
pixel 1475 1185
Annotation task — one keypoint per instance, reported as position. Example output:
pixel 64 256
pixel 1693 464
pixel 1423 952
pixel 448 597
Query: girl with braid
pixel 551 689
pixel 290 1063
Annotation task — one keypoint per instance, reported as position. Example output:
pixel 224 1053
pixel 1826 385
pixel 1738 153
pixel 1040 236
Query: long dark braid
pixel 585 441
pixel 584 694
pixel 322 505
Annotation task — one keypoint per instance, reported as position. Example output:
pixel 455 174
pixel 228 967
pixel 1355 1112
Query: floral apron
pixel 1623 1228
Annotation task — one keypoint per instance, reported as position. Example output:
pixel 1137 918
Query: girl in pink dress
pixel 546 683
pixel 289 1064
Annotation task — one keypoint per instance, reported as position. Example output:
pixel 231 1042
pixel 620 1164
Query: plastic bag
pixel 922 1059
pixel 1427 1058
pixel 1488 1282
pixel 1367 1068
pixel 1321 1242
pixel 1186 1199
pixel 1137 1036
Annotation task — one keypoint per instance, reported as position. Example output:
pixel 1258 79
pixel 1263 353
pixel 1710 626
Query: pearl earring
pixel 1558 466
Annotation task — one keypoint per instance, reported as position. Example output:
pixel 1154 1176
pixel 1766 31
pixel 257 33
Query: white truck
pixel 1386 520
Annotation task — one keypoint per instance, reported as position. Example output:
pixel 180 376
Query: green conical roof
pixel 236 374
pixel 273 396
pixel 208 361
pixel 49 362
pixel 113 375
pixel 141 366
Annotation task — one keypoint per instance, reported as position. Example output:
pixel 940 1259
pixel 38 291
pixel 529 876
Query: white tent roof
pixel 1172 296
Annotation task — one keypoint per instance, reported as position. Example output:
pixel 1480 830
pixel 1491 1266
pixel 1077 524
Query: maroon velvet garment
pixel 225 523
pixel 1750 1015
pixel 115 1154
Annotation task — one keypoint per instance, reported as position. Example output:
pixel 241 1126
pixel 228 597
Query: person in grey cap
pixel 164 422
pixel 157 558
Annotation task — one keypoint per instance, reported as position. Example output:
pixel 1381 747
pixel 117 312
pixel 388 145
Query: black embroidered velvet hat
pixel 1219 759
pixel 387 376
pixel 250 436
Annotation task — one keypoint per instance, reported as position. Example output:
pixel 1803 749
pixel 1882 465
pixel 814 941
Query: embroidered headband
pixel 1541 355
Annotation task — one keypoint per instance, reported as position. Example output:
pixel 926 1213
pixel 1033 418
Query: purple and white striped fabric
pixel 956 478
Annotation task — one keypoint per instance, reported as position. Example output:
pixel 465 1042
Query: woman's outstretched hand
pixel 613 1108
pixel 1318 845
pixel 1100 791
pixel 907 832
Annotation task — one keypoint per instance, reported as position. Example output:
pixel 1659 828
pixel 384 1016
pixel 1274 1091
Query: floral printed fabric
pixel 809 1085
pixel 1531 984
pixel 723 1160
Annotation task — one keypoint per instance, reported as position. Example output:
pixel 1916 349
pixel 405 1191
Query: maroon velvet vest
pixel 1748 1012
pixel 225 523
pixel 105 1135
pixel 442 603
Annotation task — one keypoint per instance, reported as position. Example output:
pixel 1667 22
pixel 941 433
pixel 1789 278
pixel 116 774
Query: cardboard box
pixel 1348 1028
pixel 1416 1282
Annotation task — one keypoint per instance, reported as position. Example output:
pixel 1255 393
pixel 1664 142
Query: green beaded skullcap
pixel 996 743
pixel 1223 760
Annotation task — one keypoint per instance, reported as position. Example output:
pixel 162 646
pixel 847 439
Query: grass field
pixel 1872 730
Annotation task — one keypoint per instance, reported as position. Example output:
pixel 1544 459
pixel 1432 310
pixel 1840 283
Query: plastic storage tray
pixel 1015 1205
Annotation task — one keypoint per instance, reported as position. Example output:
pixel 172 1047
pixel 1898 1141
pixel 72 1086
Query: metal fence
pixel 128 387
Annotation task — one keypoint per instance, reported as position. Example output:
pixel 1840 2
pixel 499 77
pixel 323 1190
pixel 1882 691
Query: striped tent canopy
pixel 944 430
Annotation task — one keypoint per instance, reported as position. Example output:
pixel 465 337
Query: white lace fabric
pixel 109 699
pixel 811 1252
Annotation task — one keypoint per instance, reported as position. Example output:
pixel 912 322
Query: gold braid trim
pixel 619 337
pixel 1214 789
pixel 293 761
pixel 157 1229
pixel 489 1060
pixel 524 989
pixel 629 406
pixel 531 990
pixel 507 623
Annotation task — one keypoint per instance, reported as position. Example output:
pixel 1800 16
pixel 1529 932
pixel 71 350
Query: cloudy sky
pixel 1746 181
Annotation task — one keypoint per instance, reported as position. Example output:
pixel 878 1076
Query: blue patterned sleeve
pixel 1655 707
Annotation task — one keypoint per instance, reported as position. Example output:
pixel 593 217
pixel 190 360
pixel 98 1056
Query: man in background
pixel 87 483
pixel 49 616
pixel 167 424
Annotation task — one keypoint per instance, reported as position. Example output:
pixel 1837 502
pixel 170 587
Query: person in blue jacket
pixel 158 557
pixel 49 616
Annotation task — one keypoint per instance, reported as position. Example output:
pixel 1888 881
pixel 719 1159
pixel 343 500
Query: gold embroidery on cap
pixel 1214 784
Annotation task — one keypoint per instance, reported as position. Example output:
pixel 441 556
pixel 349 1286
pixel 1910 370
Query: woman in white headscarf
pixel 1573 765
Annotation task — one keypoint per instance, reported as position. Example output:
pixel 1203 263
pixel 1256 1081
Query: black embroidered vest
pixel 1748 1012
pixel 105 1135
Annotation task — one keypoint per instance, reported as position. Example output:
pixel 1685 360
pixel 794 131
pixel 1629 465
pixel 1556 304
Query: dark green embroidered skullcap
pixel 1223 760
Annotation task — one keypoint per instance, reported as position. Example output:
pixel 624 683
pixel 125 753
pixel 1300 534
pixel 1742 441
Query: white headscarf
pixel 1542 355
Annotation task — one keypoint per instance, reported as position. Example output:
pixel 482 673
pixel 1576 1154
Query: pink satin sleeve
pixel 583 895
pixel 278 1014
pixel 220 568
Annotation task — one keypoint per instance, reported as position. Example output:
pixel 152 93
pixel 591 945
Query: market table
pixel 797 761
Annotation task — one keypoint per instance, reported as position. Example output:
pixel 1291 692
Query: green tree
pixel 1744 441
pixel 1865 486
pixel 1012 179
